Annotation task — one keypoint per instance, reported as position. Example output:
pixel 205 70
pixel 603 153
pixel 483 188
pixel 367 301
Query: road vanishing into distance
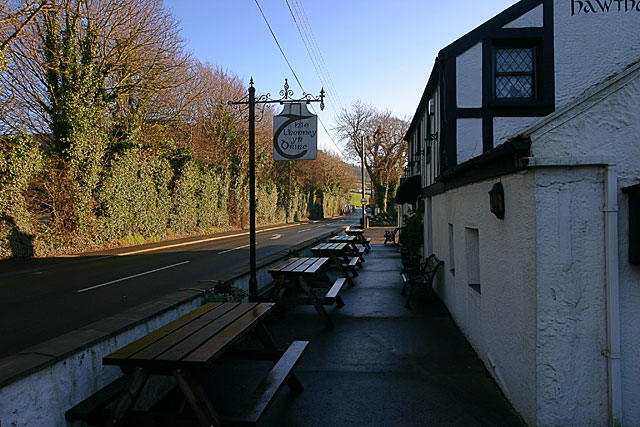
pixel 43 298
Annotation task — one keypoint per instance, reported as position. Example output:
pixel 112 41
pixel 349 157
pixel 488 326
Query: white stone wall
pixel 571 302
pixel 592 46
pixel 532 19
pixel 500 322
pixel 607 124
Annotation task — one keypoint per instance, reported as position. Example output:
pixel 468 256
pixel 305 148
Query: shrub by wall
pixel 20 161
pixel 135 196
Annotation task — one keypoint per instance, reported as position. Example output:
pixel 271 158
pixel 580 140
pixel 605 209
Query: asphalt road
pixel 44 298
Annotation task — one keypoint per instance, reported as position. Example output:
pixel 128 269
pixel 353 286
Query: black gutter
pixel 502 160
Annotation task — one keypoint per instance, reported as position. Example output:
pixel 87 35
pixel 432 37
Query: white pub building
pixel 541 106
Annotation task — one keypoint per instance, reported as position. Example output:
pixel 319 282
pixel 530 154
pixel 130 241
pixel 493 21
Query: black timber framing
pixel 503 160
pixel 443 75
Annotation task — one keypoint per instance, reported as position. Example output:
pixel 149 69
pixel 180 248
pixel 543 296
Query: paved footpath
pixel 384 364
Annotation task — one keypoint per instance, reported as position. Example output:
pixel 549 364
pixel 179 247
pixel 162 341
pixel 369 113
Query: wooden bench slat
pixel 90 409
pixel 335 289
pixel 185 340
pixel 152 337
pixel 210 350
pixel 267 390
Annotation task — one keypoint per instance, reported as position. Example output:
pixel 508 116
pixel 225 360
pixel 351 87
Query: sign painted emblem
pixel 295 133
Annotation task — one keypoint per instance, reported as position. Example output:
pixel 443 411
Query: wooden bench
pixel 358 233
pixel 353 265
pixel 333 294
pixel 183 349
pixel 304 274
pixel 390 236
pixel 339 255
pixel 264 394
pixel 93 410
pixel 421 277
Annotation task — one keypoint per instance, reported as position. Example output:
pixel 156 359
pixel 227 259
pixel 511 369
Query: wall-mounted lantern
pixel 496 200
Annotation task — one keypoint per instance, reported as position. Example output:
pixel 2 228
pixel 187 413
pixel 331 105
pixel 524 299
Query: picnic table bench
pixel 304 274
pixel 358 233
pixel 340 257
pixel 185 349
pixel 352 242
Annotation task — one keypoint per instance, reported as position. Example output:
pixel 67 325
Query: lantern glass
pixel 496 200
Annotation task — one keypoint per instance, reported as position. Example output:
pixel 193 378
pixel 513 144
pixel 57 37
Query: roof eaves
pixel 431 83
pixel 464 43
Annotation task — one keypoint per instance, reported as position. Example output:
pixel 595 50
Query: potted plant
pixel 224 292
pixel 411 234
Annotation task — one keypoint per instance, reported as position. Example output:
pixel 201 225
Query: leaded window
pixel 515 73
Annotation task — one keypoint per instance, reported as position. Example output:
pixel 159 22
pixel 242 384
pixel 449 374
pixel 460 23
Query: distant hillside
pixel 357 173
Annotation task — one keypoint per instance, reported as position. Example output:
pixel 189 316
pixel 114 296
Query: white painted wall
pixel 501 322
pixel 571 303
pixel 505 128
pixel 544 263
pixel 469 78
pixel 606 123
pixel 532 19
pixel 591 46
pixel 468 138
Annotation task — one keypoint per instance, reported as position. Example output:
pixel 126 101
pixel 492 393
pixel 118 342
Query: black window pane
pixel 514 60
pixel 514 87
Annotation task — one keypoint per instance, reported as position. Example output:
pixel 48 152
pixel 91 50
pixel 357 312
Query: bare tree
pixel 106 58
pixel 384 147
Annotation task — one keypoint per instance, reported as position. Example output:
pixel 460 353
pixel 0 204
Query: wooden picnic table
pixel 340 257
pixel 352 241
pixel 189 345
pixel 358 233
pixel 305 274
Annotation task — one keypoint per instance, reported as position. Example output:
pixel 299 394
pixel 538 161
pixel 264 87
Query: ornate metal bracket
pixel 286 97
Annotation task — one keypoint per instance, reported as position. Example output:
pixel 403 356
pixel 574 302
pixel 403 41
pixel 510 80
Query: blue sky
pixel 377 51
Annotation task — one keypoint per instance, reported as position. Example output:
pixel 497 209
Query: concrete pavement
pixel 382 364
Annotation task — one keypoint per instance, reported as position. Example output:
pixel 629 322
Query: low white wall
pixel 52 385
pixel 500 323
pixel 606 124
pixel 572 323
pixel 42 398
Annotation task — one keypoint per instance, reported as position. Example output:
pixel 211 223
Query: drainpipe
pixel 612 353
pixel 613 295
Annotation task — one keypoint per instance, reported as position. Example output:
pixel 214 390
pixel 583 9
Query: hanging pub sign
pixel 295 133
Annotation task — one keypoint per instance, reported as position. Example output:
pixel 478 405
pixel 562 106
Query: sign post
pixel 251 104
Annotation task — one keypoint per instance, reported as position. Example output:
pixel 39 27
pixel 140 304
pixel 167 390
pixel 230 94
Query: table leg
pixel 338 262
pixel 354 247
pixel 128 397
pixel 319 308
pixel 277 287
pixel 267 341
pixel 197 398
pixel 364 242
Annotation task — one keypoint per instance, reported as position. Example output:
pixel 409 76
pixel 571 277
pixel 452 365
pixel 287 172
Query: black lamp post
pixel 496 200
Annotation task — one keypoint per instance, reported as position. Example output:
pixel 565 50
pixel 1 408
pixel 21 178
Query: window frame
pixel 533 73
pixel 538 72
